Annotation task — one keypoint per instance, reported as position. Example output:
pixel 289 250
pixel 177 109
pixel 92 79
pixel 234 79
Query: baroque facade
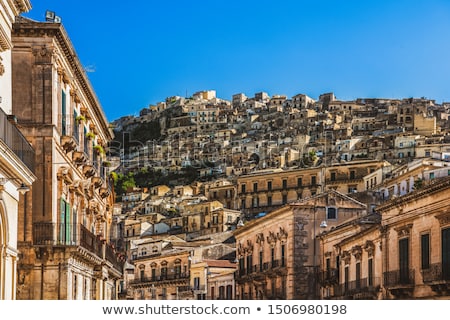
pixel 279 253
pixel 64 236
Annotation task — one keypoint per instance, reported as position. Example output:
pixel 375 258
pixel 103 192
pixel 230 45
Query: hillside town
pixel 206 198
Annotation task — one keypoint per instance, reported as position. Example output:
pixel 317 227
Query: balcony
pixel 437 276
pixel 365 288
pixel 73 235
pixel 153 280
pixel 69 132
pixel 13 138
pixel 329 277
pixel 399 282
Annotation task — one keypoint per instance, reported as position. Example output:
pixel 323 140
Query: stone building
pixel 279 254
pixel 16 158
pixel 161 271
pixel 64 234
pixel 400 252
pixel 267 190
pixel 416 243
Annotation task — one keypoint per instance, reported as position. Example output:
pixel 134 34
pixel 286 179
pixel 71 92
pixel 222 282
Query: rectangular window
pixel 243 204
pixel 358 275
pixel 370 272
pixel 261 261
pixel 196 283
pixel 243 188
pixel 283 248
pixel 331 213
pixel 284 184
pixel 299 182
pixel 63 113
pixel 445 235
pixel 269 200
pixel 65 226
pixel 285 198
pixel 255 187
pixel 333 176
pixel 403 245
pixel 352 174
pixel 313 180
pixel 425 250
pixel 269 185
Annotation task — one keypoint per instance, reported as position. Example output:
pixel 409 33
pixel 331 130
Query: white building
pixel 16 158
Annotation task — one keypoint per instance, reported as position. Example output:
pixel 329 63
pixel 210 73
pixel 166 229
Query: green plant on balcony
pixel 90 135
pixel 80 118
pixel 99 149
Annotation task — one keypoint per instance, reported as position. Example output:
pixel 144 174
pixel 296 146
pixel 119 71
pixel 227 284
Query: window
pixel 63 113
pixel 269 185
pixel 331 213
pixel 255 187
pixel 64 232
pixel 261 261
pixel 445 253
pixel 299 182
pixel 243 188
pixel 352 174
pixel 431 175
pixel 243 204
pixel 333 176
pixel 313 180
pixel 249 263
pixel 215 219
pixel 272 256
pixel 370 272
pixel 358 275
pixel 269 200
pixel 283 249
pixel 284 198
pixel 284 184
pixel 403 245
pixel 255 202
pixel 196 283
pixel 425 250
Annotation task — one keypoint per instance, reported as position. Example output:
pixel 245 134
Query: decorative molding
pixel 404 231
pixel 369 247
pixel 346 256
pixel 260 238
pixel 357 252
pixel 443 218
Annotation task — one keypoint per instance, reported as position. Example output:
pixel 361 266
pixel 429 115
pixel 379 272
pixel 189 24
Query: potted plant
pixel 99 149
pixel 80 118
pixel 90 135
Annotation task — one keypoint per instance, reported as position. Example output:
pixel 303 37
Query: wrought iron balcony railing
pixel 54 234
pixel 398 278
pixel 15 140
pixel 436 272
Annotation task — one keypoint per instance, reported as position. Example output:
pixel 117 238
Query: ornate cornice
pixel 24 27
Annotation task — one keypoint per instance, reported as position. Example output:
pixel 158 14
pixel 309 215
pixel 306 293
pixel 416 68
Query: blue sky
pixel 140 52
